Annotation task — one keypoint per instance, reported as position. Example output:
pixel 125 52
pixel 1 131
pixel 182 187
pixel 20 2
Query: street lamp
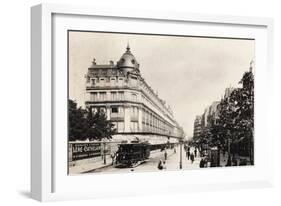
pixel 181 141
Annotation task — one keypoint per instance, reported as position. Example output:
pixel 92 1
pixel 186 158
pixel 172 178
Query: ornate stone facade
pixel 129 102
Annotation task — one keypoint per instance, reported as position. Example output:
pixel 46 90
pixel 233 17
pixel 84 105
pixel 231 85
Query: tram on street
pixel 135 153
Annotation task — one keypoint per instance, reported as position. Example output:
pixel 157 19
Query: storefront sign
pixel 84 150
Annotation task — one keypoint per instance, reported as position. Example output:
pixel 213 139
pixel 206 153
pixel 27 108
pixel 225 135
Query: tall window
pixel 134 112
pixel 113 96
pixel 143 127
pixel 147 117
pixel 94 96
pixel 134 127
pixel 102 96
pixel 143 115
pixel 121 96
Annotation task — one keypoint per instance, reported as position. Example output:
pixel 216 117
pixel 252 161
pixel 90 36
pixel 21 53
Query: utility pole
pixel 180 153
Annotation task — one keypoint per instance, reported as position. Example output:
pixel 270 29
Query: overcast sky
pixel 189 73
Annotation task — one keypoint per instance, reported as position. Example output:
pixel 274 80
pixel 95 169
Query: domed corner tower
pixel 128 62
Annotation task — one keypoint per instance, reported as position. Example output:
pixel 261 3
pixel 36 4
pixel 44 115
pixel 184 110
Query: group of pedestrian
pixel 190 155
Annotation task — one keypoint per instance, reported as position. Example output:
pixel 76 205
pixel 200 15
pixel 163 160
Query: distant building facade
pixel 210 114
pixel 129 102
pixel 197 126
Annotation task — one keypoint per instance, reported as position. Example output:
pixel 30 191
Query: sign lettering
pixel 80 151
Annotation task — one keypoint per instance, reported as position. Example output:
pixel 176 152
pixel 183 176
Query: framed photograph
pixel 137 102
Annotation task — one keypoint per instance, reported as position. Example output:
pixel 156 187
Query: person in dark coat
pixel 188 154
pixel 202 163
pixel 192 157
pixel 165 155
pixel 160 165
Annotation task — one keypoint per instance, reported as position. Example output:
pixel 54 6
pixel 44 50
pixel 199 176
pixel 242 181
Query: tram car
pixel 132 154
pixel 135 153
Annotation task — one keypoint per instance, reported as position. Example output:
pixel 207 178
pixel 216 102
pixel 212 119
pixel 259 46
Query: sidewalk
pixel 157 153
pixel 90 166
pixel 173 161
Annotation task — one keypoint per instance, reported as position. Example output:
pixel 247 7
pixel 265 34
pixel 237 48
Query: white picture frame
pixel 47 183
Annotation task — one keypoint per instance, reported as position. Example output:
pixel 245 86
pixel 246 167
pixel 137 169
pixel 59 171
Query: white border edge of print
pixel 42 178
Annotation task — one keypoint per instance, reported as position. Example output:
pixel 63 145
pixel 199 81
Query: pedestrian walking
pixel 175 151
pixel 202 163
pixel 195 152
pixel 192 158
pixel 160 165
pixel 188 154
pixel 116 158
pixel 165 155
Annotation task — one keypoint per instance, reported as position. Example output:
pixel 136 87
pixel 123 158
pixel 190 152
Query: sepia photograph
pixel 150 102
